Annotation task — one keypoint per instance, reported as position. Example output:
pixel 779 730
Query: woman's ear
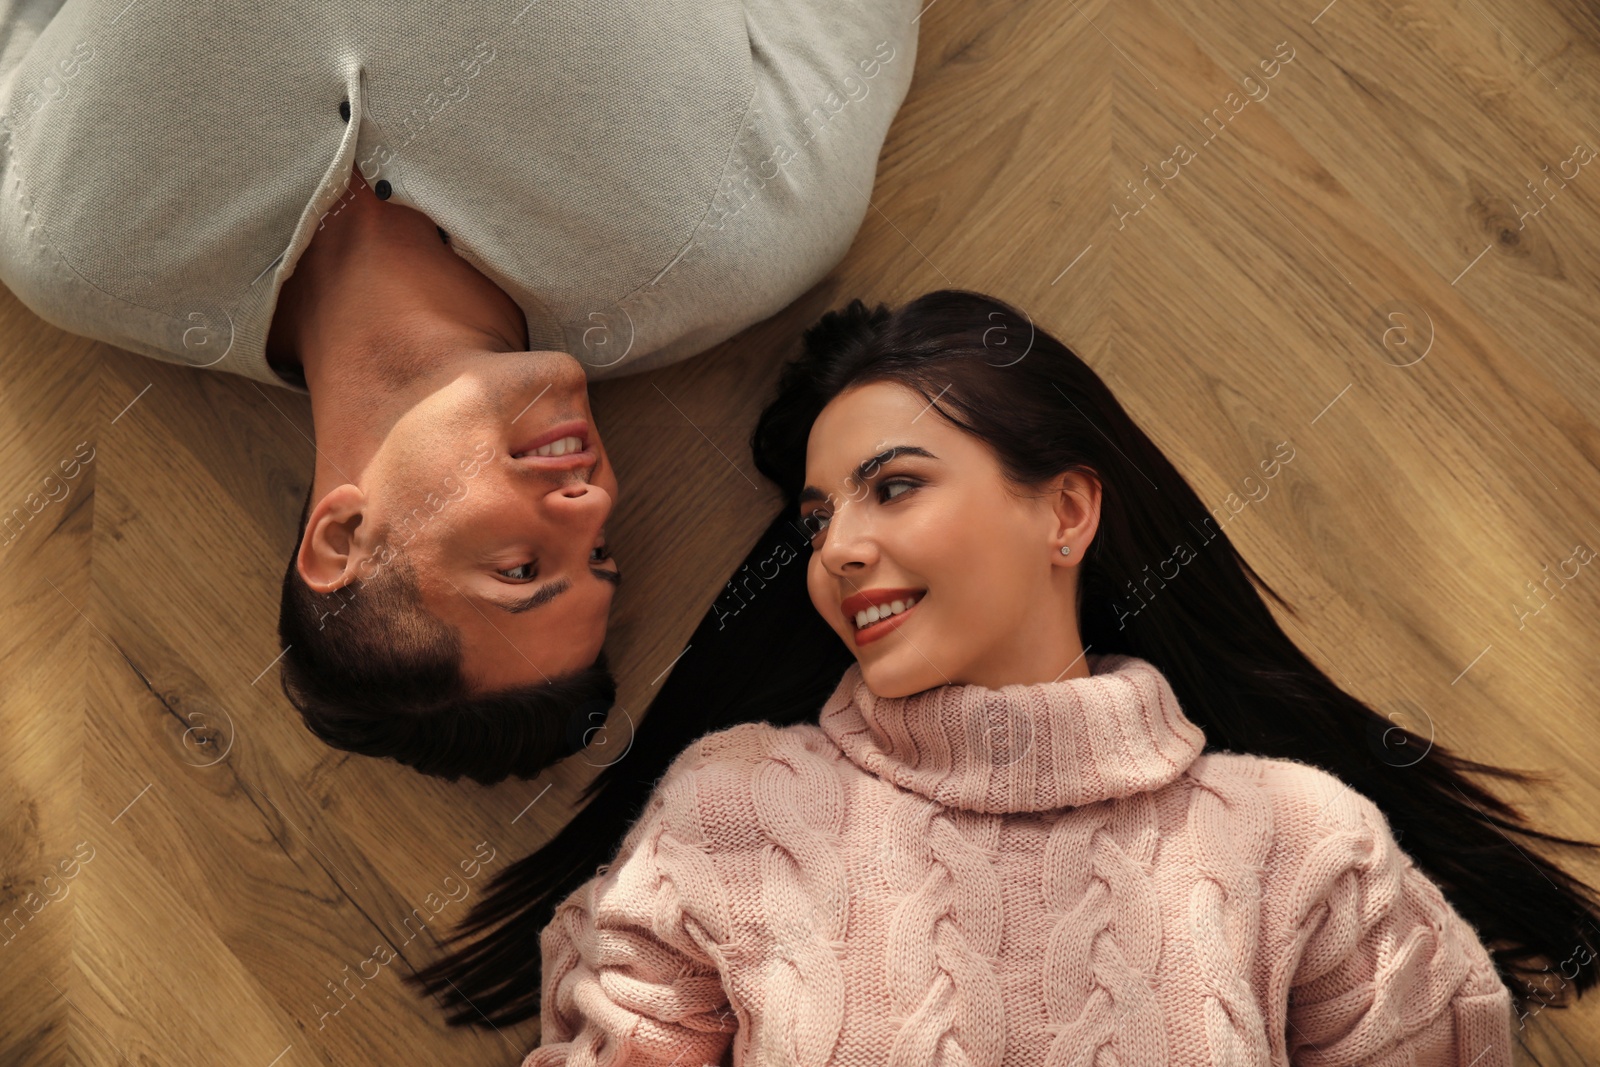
pixel 1075 504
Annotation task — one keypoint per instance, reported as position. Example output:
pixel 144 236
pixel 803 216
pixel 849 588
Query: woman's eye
pixel 894 481
pixel 818 522
pixel 600 553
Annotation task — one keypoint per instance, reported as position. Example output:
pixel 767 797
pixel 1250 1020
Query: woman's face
pixel 909 509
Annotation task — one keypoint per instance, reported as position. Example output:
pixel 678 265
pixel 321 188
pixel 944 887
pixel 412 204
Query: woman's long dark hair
pixel 763 653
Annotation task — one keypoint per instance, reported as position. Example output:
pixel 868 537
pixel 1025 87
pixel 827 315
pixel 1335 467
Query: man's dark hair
pixel 372 671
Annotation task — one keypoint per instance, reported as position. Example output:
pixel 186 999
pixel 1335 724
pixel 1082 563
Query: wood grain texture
pixel 1351 259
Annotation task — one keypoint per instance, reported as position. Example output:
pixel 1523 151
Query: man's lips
pixel 584 457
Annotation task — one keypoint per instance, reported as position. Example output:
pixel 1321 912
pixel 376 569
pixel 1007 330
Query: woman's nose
pixel 843 546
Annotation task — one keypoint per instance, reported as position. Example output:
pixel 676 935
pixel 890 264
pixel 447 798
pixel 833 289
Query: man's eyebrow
pixel 811 492
pixel 549 591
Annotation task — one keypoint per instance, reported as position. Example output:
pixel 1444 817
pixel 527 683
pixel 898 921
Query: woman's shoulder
pixel 748 745
pixel 728 787
pixel 1302 795
pixel 1319 831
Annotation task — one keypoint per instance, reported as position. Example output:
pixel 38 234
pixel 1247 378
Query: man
pixel 447 602
pixel 440 230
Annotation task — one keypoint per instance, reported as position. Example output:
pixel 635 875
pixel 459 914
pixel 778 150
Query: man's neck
pixel 377 310
pixel 356 399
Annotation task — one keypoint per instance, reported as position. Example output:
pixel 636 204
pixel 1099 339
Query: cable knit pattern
pixel 798 804
pixel 944 999
pixel 1035 876
pixel 1381 969
pixel 627 977
pixel 1105 944
pixel 1230 825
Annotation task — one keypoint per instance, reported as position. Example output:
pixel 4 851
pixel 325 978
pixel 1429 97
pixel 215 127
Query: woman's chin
pixel 890 680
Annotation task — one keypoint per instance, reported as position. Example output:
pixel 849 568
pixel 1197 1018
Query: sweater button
pixel 382 189
pixel 344 110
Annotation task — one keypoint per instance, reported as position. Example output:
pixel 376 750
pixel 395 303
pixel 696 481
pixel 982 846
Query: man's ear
pixel 333 545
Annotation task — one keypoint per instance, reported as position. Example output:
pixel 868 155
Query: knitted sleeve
pixel 630 978
pixel 1387 973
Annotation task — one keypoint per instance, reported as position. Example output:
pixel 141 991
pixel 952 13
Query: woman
pixel 1055 812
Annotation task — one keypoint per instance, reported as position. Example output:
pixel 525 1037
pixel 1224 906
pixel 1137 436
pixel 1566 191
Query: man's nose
pixel 576 497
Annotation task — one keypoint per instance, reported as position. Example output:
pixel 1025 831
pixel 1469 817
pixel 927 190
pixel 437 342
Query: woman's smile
pixel 868 629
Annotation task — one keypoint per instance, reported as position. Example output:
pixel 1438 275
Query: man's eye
pixel 515 575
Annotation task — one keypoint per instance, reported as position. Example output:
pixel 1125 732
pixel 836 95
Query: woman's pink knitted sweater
pixel 1032 875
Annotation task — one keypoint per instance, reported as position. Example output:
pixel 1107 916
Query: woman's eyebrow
pixel 811 492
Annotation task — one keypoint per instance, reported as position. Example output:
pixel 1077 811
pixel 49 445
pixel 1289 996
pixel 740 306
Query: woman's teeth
pixel 556 448
pixel 883 611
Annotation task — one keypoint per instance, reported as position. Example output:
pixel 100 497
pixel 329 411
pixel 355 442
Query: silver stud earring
pixel 1066 550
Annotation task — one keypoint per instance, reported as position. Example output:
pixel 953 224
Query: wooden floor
pixel 1346 254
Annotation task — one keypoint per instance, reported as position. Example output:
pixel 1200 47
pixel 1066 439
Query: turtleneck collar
pixel 1021 747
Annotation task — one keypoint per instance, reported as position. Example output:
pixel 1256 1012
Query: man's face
pixel 508 547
